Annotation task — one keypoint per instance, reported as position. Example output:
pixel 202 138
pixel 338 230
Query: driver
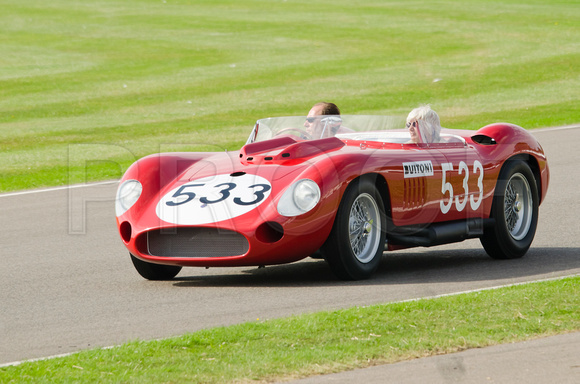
pixel 423 124
pixel 319 127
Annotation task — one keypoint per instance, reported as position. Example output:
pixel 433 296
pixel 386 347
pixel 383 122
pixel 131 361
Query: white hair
pixel 430 126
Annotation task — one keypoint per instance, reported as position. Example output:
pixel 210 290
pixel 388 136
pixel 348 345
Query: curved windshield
pixel 386 129
pixel 320 127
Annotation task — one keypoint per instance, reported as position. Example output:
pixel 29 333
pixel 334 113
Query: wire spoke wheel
pixel 518 206
pixel 355 246
pixel 364 227
pixel 515 210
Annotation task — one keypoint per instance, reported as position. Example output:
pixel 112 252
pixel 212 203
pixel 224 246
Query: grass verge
pixel 319 343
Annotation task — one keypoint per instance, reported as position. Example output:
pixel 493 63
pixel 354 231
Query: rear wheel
pixel 152 271
pixel 355 245
pixel 515 210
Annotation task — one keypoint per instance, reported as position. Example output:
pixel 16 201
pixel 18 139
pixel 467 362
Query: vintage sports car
pixel 345 189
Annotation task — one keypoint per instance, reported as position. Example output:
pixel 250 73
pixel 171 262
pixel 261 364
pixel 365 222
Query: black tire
pixel 355 246
pixel 515 210
pixel 152 271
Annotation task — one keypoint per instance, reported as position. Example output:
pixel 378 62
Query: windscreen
pixel 356 127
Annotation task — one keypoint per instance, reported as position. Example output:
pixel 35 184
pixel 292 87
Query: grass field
pixel 116 80
pixel 299 346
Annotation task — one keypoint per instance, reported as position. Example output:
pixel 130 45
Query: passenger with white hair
pixel 423 124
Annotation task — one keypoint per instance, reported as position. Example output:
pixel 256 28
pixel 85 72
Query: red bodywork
pixel 333 163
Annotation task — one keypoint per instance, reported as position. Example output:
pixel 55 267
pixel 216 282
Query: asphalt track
pixel 67 282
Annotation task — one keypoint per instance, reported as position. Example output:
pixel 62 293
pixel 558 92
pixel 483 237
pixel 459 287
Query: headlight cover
pixel 299 198
pixel 127 194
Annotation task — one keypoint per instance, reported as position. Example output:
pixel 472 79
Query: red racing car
pixel 345 197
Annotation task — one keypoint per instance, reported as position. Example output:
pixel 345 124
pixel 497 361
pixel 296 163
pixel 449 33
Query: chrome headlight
pixel 127 194
pixel 299 198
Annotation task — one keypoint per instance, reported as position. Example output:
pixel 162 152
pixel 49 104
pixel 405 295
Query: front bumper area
pixel 267 244
pixel 193 242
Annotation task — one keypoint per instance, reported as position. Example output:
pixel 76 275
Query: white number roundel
pixel 213 199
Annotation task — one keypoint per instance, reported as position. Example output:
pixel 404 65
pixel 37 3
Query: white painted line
pixel 15 363
pixel 551 129
pixel 485 289
pixel 28 192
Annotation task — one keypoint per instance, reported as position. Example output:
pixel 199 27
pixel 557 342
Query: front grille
pixel 196 242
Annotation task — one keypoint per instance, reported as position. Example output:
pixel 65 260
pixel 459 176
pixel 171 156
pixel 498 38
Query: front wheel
pixel 515 210
pixel 356 243
pixel 152 271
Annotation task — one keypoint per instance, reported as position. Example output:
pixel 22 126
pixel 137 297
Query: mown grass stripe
pixel 139 73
